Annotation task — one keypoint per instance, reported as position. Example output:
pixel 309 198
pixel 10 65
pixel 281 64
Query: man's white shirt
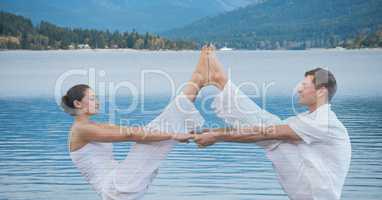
pixel 317 166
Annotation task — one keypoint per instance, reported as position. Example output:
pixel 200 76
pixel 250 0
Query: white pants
pixel 238 110
pixel 132 177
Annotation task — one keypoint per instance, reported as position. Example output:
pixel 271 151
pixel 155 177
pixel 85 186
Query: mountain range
pixel 287 23
pixel 123 15
pixel 241 24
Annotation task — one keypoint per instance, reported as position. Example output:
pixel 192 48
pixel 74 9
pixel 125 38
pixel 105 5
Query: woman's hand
pixel 182 137
pixel 206 139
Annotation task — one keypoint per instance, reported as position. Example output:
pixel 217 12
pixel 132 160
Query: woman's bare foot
pixel 208 71
pixel 201 75
pixel 216 73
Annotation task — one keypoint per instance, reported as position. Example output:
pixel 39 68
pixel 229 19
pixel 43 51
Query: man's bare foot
pixel 216 73
pixel 199 78
pixel 208 71
pixel 201 73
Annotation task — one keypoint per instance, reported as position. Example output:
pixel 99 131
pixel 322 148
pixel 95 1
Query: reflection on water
pixel 35 164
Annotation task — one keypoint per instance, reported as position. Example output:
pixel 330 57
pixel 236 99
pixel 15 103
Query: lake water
pixel 34 160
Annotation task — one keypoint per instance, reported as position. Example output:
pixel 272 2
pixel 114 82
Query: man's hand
pixel 184 138
pixel 206 139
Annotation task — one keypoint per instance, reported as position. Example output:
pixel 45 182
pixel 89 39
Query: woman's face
pixel 89 104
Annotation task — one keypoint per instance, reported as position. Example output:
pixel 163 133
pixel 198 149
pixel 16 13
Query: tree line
pixel 18 32
pixel 371 39
pixel 291 24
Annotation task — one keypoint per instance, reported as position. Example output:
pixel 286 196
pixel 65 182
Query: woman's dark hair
pixel 76 92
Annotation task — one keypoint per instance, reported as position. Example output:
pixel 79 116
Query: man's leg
pixel 235 107
pixel 133 175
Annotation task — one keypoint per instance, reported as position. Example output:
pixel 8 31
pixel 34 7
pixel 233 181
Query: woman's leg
pixel 235 107
pixel 133 175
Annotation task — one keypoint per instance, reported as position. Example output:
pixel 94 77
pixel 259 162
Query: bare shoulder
pixel 76 140
pixel 83 127
pixel 79 130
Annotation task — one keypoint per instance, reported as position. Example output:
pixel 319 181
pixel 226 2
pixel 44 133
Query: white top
pixel 94 161
pixel 316 167
pixel 131 177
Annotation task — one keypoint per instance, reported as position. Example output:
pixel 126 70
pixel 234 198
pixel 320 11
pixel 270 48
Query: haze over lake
pixel 34 73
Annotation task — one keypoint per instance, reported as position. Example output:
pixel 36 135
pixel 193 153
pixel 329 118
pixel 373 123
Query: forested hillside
pixel 17 32
pixel 292 24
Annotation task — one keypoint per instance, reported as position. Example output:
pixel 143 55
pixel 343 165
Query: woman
pixel 90 143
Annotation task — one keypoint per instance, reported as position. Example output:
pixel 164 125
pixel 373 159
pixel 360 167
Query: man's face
pixel 307 91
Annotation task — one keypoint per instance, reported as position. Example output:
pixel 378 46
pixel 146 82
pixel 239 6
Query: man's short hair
pixel 323 78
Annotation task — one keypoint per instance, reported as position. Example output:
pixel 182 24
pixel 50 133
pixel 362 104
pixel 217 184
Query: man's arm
pixel 247 135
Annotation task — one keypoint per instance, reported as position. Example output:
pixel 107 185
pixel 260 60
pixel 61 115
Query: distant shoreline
pixel 184 50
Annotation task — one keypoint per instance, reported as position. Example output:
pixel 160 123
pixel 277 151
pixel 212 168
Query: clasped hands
pixel 208 137
pixel 205 138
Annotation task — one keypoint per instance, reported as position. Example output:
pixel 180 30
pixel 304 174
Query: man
pixel 310 152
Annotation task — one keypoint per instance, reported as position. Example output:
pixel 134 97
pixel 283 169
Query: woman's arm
pixel 113 133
